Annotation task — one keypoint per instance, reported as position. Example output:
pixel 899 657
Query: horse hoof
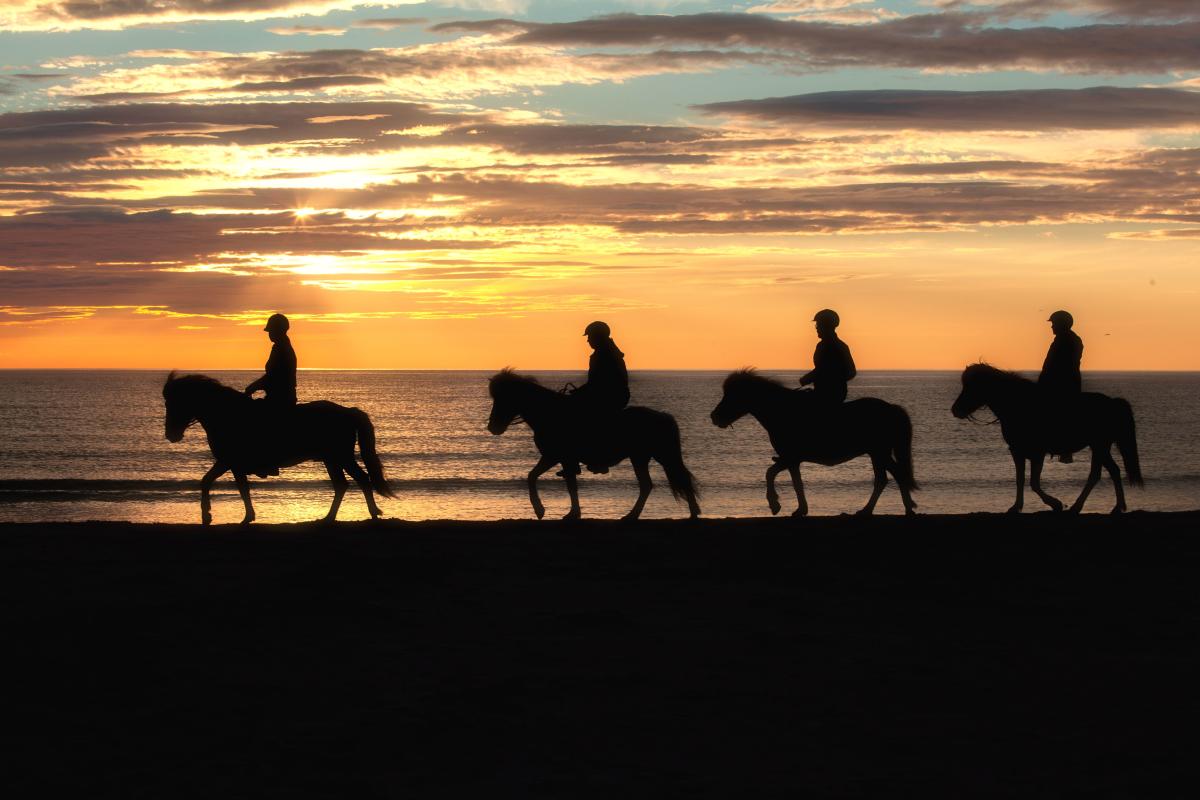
pixel 206 519
pixel 1056 507
pixel 864 512
pixel 774 505
pixel 540 511
pixel 800 512
pixel 1014 510
pixel 629 518
pixel 1117 510
pixel 910 512
pixel 1076 509
pixel 572 516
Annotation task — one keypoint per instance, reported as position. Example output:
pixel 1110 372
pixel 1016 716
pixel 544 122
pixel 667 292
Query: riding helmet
pixel 828 315
pixel 598 329
pixel 277 322
pixel 1063 318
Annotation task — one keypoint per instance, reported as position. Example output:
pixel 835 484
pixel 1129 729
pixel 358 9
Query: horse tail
pixel 1127 443
pixel 902 451
pixel 366 445
pixel 679 477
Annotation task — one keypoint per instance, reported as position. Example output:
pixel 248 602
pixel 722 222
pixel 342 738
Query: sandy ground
pixel 975 656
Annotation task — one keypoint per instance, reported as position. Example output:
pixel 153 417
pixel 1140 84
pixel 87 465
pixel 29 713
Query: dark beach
pixel 971 656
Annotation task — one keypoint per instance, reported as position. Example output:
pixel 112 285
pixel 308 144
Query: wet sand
pixel 973 656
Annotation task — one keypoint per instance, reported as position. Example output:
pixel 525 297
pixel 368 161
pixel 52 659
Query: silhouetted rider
pixel 279 378
pixel 607 387
pixel 279 384
pixel 833 366
pixel 606 391
pixel 1060 378
pixel 1060 371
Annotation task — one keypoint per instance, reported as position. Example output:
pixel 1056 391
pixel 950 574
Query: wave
pixel 60 489
pixel 120 490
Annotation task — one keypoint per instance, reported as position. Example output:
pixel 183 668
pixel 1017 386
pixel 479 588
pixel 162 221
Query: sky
pixel 465 184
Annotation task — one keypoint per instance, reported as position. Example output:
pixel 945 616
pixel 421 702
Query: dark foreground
pixel 974 656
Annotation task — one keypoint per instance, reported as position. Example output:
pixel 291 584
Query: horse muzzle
pixel 720 422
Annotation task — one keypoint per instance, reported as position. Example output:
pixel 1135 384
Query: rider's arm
pixel 808 378
pixel 851 370
pixel 258 384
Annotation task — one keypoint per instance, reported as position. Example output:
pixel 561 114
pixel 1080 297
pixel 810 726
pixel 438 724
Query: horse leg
pixel 772 495
pixel 364 482
pixel 543 464
pixel 339 489
pixel 910 506
pixel 244 490
pixel 641 468
pixel 1035 482
pixel 798 485
pixel 1114 472
pixel 877 489
pixel 1019 463
pixel 573 490
pixel 217 470
pixel 1092 479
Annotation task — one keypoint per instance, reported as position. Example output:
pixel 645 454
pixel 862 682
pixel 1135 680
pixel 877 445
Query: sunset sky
pixel 467 183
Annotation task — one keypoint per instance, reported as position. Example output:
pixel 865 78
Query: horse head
pixel 981 384
pixel 180 413
pixel 743 393
pixel 508 391
pixel 188 397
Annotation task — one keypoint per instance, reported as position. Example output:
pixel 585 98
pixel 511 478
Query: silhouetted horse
pixel 636 433
pixel 802 428
pixel 320 431
pixel 1032 429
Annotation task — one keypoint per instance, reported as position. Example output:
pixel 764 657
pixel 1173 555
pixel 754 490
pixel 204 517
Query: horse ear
pixel 171 377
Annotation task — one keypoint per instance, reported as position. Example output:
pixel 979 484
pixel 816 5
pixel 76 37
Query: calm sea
pixel 78 445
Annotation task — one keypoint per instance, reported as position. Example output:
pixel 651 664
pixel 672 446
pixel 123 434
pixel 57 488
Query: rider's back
pixel 1061 370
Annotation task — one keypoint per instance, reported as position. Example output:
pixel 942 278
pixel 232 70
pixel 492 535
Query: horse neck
pixel 771 405
pixel 536 406
pixel 216 406
pixel 1009 395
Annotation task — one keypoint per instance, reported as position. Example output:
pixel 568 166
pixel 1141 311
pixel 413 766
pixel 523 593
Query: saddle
pixel 267 436
pixel 589 435
pixel 1059 423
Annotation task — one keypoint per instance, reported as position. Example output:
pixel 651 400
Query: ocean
pixel 89 445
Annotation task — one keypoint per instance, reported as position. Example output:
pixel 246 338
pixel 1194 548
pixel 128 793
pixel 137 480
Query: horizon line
pixel 559 369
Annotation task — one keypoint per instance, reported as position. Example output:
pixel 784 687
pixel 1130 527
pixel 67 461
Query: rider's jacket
pixel 833 368
pixel 279 380
pixel 607 387
pixel 1060 372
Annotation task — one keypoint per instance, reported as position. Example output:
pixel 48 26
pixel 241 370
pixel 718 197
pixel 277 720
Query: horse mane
pixel 202 382
pixel 509 377
pixel 984 369
pixel 749 375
